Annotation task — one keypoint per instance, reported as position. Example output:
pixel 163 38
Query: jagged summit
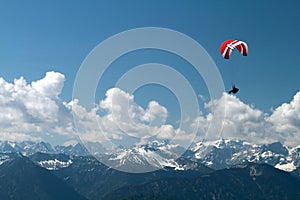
pixel 219 154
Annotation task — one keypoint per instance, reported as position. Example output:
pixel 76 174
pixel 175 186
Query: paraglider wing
pixel 227 47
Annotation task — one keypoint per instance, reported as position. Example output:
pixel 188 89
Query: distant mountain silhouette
pixel 296 172
pixel 243 182
pixel 71 174
pixel 95 180
pixel 219 154
pixel 20 178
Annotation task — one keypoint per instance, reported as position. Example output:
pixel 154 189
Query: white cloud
pixel 241 120
pixel 155 114
pixel 122 118
pixel 18 137
pixel 166 132
pixel 31 108
pixel 36 108
pixel 51 85
pixel 70 143
pixel 286 120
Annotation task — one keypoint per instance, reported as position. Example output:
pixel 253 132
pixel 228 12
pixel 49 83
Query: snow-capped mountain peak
pixel 219 154
pixel 54 164
pixel 226 153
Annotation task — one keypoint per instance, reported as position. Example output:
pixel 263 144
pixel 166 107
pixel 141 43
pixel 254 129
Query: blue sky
pixel 40 36
pixel 37 37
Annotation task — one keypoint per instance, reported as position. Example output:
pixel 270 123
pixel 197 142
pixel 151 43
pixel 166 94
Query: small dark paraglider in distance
pixel 234 90
pixel 226 49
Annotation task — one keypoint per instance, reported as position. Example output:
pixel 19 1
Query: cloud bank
pixel 34 111
pixel 29 109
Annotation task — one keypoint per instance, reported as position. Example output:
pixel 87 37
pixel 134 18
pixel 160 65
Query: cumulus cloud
pixel 51 85
pixel 31 111
pixel 120 107
pixel 245 122
pixel 286 120
pixel 123 118
pixel 31 108
pixel 241 120
pixel 19 137
pixel 155 114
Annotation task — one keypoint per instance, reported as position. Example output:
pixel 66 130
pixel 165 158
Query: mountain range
pixel 233 183
pixel 217 154
pixel 20 178
pixel 222 169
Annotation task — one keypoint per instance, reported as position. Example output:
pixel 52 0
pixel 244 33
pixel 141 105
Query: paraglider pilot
pixel 234 90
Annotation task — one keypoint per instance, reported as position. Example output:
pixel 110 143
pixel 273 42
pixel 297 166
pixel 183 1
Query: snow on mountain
pixel 54 164
pixel 4 157
pixel 78 150
pixel 219 154
pixel 154 155
pixel 28 148
pixel 52 161
pixel 25 147
pixel 226 153
pixel 286 167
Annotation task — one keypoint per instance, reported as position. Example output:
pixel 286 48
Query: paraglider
pixel 233 90
pixel 228 46
pixel 226 49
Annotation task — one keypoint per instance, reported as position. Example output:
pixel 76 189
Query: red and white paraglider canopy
pixel 227 47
